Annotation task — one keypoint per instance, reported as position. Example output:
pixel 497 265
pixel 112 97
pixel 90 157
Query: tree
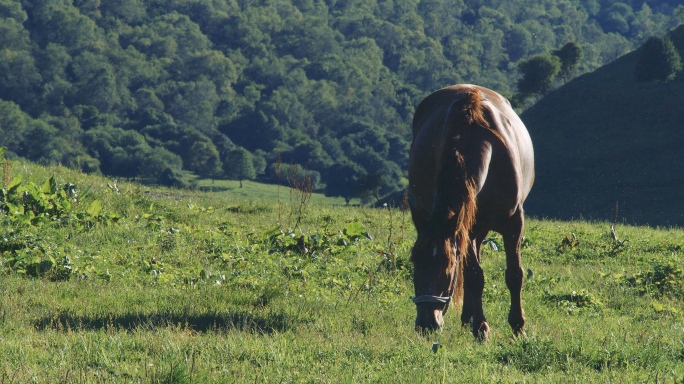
pixel 163 166
pixel 259 162
pixel 538 73
pixel 517 42
pixel 617 17
pixel 238 165
pixel 203 158
pixel 13 126
pixel 657 59
pixel 343 180
pixel 171 178
pixel 19 77
pixel 679 13
pixel 570 56
pixel 130 11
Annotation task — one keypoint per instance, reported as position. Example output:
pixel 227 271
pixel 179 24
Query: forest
pixel 274 90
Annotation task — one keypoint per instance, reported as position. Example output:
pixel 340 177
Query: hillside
pixel 152 89
pixel 604 139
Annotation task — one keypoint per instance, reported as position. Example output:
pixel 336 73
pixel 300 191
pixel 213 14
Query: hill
pixel 605 139
pixel 151 89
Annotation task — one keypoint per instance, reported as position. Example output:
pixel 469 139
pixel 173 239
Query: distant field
pixel 124 284
pixel 252 190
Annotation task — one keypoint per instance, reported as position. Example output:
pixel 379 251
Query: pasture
pixel 123 283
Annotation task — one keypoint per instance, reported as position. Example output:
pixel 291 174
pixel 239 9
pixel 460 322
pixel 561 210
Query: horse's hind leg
pixel 514 271
pixel 473 284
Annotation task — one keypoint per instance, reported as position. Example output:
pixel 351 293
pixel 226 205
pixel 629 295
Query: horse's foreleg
pixel 473 284
pixel 514 271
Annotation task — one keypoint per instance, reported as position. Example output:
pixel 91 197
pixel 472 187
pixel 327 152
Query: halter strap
pixel 437 299
pixel 431 299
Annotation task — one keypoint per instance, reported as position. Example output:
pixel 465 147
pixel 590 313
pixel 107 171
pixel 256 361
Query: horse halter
pixel 437 299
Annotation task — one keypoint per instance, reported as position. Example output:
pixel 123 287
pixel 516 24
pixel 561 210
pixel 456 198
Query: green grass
pixel 254 191
pixel 192 287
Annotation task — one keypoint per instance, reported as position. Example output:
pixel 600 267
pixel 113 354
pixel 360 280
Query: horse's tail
pixel 455 201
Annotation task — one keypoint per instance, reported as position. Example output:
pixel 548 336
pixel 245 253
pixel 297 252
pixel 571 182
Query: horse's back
pixel 500 157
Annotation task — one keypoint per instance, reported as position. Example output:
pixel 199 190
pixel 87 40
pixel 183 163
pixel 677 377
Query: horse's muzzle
pixel 428 318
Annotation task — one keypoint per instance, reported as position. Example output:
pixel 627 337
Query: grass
pixel 252 190
pixel 195 287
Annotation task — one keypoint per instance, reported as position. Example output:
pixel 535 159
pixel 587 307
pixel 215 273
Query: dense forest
pixel 244 89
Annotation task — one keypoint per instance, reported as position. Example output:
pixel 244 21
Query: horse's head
pixel 437 278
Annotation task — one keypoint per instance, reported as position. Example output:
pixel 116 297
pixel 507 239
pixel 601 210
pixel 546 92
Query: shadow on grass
pixel 210 322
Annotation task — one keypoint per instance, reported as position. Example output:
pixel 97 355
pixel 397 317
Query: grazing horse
pixel 470 169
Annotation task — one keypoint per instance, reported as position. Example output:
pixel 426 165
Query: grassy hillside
pixel 605 138
pixel 162 286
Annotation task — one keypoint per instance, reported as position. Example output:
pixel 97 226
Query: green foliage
pixel 679 13
pixel 301 79
pixel 575 301
pixel 665 277
pixel 657 60
pixel 203 159
pixel 518 42
pixel 570 55
pixel 538 73
pixel 31 205
pixel 239 165
pixel 344 181
pixel 329 240
pixel 28 207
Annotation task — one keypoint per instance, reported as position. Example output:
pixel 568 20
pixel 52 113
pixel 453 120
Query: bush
pixel 538 73
pixel 658 60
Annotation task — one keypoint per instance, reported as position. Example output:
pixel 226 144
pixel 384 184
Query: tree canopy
pixel 657 60
pixel 239 165
pixel 150 88
pixel 570 55
pixel 538 73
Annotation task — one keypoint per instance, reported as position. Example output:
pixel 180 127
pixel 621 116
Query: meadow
pixel 116 282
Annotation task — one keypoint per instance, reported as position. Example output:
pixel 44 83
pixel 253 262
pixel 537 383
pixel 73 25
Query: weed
pixel 390 253
pixel 301 188
pixel 7 170
pixel 665 278
pixel 569 242
pixel 278 165
pixel 574 301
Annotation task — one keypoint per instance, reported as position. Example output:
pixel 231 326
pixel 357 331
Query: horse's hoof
pixel 482 332
pixel 520 333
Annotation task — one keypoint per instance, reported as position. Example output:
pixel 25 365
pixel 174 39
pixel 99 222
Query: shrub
pixel 658 60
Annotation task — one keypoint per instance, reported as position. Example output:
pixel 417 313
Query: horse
pixel 471 166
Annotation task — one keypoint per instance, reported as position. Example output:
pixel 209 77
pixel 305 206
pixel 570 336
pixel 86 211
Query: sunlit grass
pixel 199 287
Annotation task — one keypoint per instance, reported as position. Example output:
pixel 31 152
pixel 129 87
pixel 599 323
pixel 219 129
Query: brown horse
pixel 471 168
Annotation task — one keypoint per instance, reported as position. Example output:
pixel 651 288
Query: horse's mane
pixel 454 209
